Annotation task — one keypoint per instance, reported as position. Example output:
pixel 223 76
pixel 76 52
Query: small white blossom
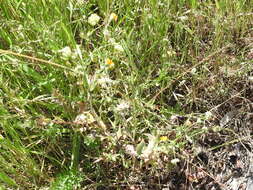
pixel 208 115
pixel 66 52
pixel 175 161
pixel 91 80
pixel 122 106
pixel 84 118
pixel 130 150
pixel 93 19
pixel 81 118
pixel 111 40
pixel 104 81
pixel 118 47
pixel 193 71
pixel 171 53
pixel 82 35
pixel 106 33
pixel 183 18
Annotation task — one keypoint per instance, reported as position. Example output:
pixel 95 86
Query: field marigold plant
pixel 163 138
pixel 109 63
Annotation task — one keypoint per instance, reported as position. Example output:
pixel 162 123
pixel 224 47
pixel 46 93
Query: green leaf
pixel 140 147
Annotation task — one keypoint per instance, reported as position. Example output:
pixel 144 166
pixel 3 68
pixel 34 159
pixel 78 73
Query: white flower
pixel 84 118
pixel 171 53
pixel 130 150
pixel 104 81
pixel 111 40
pixel 149 151
pixel 122 106
pixel 82 35
pixel 208 115
pixel 175 161
pixel 81 118
pixel 118 47
pixel 93 19
pixel 66 52
pixel 106 33
pixel 183 18
pixel 193 71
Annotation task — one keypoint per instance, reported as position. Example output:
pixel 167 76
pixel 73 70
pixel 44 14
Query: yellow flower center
pixel 163 138
pixel 109 62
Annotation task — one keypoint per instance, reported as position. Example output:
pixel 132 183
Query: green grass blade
pixel 6 179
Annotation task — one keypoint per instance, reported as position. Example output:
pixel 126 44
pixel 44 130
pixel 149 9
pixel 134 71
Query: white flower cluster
pixel 123 107
pixel 93 19
pixel 67 53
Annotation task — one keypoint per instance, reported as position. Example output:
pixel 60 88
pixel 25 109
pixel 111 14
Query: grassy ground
pixel 105 93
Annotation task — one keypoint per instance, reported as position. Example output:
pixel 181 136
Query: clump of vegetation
pixel 112 94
